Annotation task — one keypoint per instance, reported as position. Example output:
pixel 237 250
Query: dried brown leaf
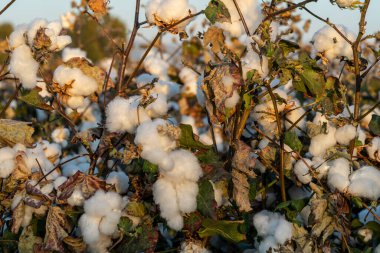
pixel 17 217
pixel 98 6
pixel 13 132
pixel 57 228
pixel 215 37
pixel 75 244
pixel 28 240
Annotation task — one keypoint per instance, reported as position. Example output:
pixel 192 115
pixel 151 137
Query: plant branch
pixel 7 6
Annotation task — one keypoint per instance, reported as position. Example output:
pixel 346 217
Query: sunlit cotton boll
pixel 187 192
pixel 124 115
pixel 320 143
pixel 24 66
pixel 365 182
pixel 373 149
pixel 69 53
pixel 345 134
pixel 338 175
pixel 328 41
pixel 7 162
pixel 60 135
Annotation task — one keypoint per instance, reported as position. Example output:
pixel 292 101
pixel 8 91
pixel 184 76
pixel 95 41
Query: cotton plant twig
pixel 7 6
pixel 14 96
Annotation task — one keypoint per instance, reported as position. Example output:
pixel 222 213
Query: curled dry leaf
pixel 242 163
pixel 75 244
pixel 21 171
pixel 215 37
pixel 98 6
pixel 17 217
pixel 88 184
pixel 13 132
pixel 57 228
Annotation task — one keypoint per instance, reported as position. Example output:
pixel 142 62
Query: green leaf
pixel 217 11
pixel 253 190
pixel 125 224
pixel 288 46
pixel 206 203
pixel 357 202
pixel 187 139
pixel 374 124
pixel 135 209
pixel 209 157
pixel 34 99
pixel 296 204
pixel 230 230
pixel 374 226
pixel 13 132
pixel 149 167
pixel 291 139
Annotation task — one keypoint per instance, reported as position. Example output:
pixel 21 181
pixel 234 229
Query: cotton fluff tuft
pixel 328 41
pixel 120 180
pixel 24 66
pixel 365 182
pixel 124 115
pixel 251 61
pixel 344 3
pixel 193 247
pixel 250 11
pixel 69 53
pixel 345 134
pixel 157 66
pixel 273 228
pixel 302 171
pixel 60 135
pixel 102 214
pixel 7 161
pixel 320 143
pixel 168 11
pixel 373 149
pixel 338 175
pixel 189 78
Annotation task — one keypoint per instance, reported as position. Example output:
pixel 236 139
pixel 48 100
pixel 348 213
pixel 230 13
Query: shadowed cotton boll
pixel 7 162
pixel 302 171
pixel 337 177
pixel 365 182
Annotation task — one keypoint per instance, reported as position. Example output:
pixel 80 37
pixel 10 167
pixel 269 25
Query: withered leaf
pixel 17 217
pixel 57 228
pixel 215 37
pixel 28 240
pixel 98 6
pixel 88 184
pixel 22 171
pixel 13 132
pixel 75 244
pixel 33 98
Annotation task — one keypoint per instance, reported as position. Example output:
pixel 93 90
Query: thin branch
pixel 242 17
pixel 15 94
pixel 7 6
pixel 292 7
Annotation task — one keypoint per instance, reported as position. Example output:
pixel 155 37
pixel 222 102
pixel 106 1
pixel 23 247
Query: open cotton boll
pixel 7 161
pixel 338 175
pixel 187 192
pixel 345 134
pixel 79 83
pixel 250 11
pixel 328 41
pixel 89 227
pixel 193 247
pixel 59 181
pixel 120 180
pixel 159 107
pixel 124 115
pixel 157 66
pixel 373 149
pixel 69 53
pixel 365 121
pixel 168 11
pixel 320 143
pixel 33 28
pixel 366 216
pixel 365 182
pixel 283 231
pixel 16 38
pixel 321 166
pixel 267 244
pixel 165 195
pixel 76 198
pixel 302 172
pixel 170 89
pixel 251 61
pixel 186 166
pixel 189 78
pixel 23 66
pixel 293 116
pixel 60 135
pixel 345 3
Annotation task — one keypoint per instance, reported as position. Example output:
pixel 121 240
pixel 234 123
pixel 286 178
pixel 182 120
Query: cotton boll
pixel 63 41
pixel 60 135
pixel 108 224
pixel 16 38
pixel 365 121
pixel 89 227
pixel 250 11
pixel 268 243
pixel 328 41
pixel 233 100
pixel 193 247
pixel 252 61
pixel 68 20
pixel 120 180
pixel 189 78
pixel 283 231
pixel 293 116
pixel 47 189
pixel 321 166
pixel 366 233
pixel 302 171
pixel 159 107
pixel 33 28
pixel 373 149
pixel 59 181
pixel 23 66
pixel 158 157
pixel 186 166
pixel 365 182
pixel 337 177
pixel 345 134
pixel 320 143
pixel 187 192
pixel 261 222
pixel 76 198
pixel 7 162
pixel 156 66
pixel 69 53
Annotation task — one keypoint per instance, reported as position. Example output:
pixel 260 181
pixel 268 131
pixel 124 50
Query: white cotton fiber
pixel 321 166
pixel 76 198
pixel 302 171
pixel 33 28
pixel 23 66
pixel 159 107
pixel 16 38
pixel 7 161
pixel 345 3
pixel 60 135
pixel 89 228
pixel 157 66
pixel 365 182
pixel 373 149
pixel 189 78
pixel 59 181
pixel 345 134
pixel 69 53
pixel 320 143
pixel 120 180
pixel 124 115
pixel 193 247
pixel 338 175
pixel 251 61
pixel 328 41
pixel 187 192
pixel 233 100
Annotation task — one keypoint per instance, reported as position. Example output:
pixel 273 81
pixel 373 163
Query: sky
pixel 24 11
